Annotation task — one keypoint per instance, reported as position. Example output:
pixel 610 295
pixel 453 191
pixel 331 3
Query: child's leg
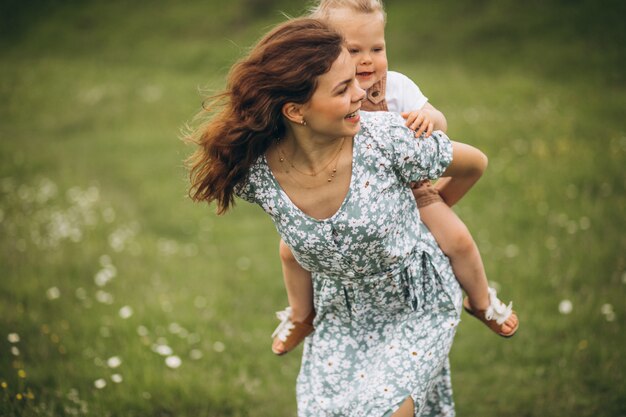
pixel 457 243
pixel 299 324
pixel 297 283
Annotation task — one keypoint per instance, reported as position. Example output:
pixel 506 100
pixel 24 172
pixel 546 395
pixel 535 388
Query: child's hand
pixel 421 121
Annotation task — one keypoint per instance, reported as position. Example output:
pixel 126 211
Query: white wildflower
pixel 53 293
pixel 13 338
pixel 195 354
pixel 565 307
pixel 114 362
pixel 126 312
pixel 100 383
pixel 173 361
pixel 142 331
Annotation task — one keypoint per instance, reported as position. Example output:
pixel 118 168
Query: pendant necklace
pixel 283 159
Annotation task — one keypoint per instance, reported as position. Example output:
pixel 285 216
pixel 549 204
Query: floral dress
pixel 386 298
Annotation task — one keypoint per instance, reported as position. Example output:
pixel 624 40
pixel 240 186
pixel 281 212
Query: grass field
pixel 119 297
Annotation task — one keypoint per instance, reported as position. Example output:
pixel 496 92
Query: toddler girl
pixel 362 23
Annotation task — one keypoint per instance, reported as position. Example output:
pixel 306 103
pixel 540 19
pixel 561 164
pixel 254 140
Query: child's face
pixel 365 38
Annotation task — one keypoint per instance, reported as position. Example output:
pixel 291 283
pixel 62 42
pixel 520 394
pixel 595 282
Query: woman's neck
pixel 310 152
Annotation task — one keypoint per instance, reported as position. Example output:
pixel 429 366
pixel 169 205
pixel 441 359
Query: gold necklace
pixel 283 158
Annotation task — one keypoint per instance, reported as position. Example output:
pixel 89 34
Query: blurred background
pixel 120 297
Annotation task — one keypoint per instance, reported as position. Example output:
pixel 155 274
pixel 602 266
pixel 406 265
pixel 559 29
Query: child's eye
pixel 378 49
pixel 353 51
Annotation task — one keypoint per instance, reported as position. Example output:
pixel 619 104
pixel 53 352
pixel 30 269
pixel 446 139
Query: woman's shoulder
pixel 255 179
pixel 381 127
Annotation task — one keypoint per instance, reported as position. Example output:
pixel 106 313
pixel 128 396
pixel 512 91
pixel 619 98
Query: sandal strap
pixel 283 330
pixel 497 310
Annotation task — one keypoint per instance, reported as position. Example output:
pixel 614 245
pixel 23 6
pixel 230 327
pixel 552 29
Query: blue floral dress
pixel 386 298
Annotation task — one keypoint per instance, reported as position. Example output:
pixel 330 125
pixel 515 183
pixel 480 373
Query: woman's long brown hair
pixel 283 67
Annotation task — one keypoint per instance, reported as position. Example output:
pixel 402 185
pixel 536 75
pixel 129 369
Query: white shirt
pixel 402 94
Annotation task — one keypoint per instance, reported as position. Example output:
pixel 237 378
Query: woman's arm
pixel 467 166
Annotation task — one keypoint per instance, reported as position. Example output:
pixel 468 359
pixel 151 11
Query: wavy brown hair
pixel 243 121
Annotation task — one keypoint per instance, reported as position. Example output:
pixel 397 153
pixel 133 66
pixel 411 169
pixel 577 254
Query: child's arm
pixel 467 167
pixel 425 120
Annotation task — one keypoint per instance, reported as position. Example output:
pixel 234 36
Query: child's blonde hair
pixel 324 8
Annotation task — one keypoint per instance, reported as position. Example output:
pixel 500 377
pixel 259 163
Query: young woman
pixel 287 135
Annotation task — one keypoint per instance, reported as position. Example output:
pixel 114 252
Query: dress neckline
pixel 298 209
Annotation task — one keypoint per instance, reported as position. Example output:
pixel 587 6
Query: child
pixel 362 23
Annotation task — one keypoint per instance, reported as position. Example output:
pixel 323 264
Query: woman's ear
pixel 293 113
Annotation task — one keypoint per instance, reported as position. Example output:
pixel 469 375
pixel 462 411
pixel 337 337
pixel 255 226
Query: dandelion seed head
pixel 151 93
pixel 53 293
pixel 114 362
pixel 565 307
pixel 105 331
pixel 511 251
pixel 193 338
pixel 173 361
pixel 100 383
pixel 606 308
pixel 584 223
pixel 219 347
pixel 243 263
pixel 80 293
pixel 13 338
pixel 142 331
pixel 167 247
pixel 104 297
pixel 105 260
pixel 126 312
pixel 108 215
pixel 163 350
pixel 174 328
pixel 117 378
pixel 200 302
pixel 195 354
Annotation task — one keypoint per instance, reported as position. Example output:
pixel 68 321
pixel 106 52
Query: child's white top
pixel 402 94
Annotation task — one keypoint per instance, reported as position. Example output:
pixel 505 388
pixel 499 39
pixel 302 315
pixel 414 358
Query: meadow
pixel 120 297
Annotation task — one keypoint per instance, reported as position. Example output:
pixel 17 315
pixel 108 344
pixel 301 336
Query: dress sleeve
pixel 416 159
pixel 245 190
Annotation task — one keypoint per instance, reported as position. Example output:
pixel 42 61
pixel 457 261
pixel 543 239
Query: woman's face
pixel 333 109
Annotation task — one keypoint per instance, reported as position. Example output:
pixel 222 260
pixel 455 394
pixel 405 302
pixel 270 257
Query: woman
pixel 288 136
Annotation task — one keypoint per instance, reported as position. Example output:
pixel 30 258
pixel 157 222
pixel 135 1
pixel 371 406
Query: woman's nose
pixel 359 93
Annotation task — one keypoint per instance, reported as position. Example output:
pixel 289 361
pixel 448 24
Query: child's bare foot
pixel 290 333
pixel 499 317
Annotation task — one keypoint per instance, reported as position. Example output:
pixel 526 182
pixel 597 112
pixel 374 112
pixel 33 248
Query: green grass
pixel 93 97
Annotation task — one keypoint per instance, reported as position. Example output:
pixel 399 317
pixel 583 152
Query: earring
pixel 303 122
